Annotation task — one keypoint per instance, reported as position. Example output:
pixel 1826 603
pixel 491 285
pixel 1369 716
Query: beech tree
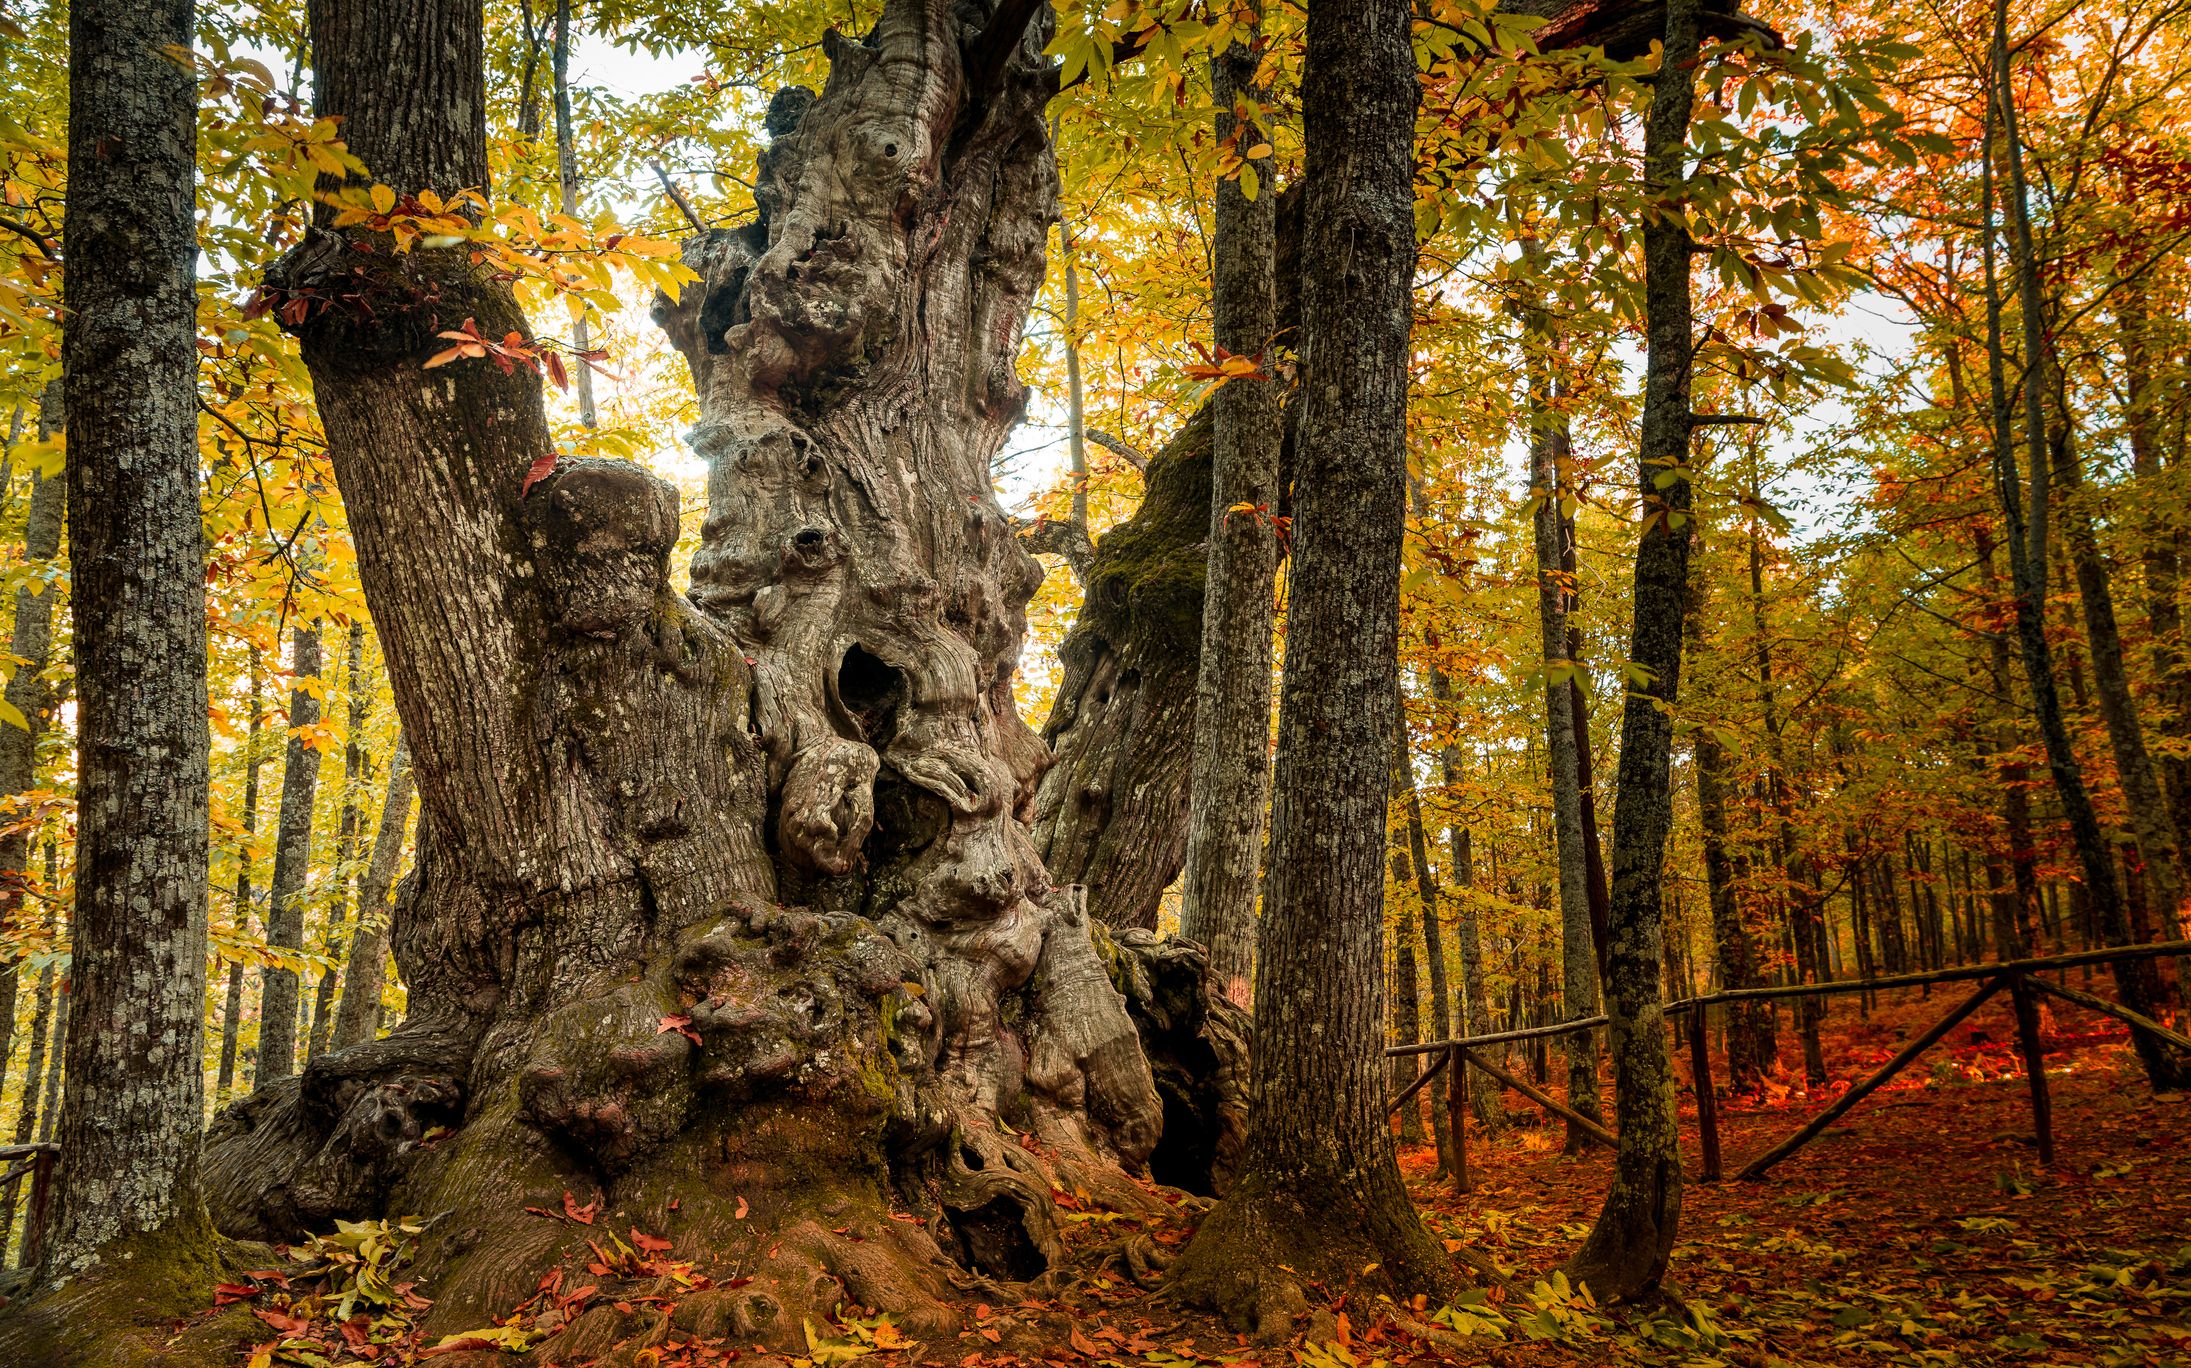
pixel 128 1237
pixel 300 776
pixel 1625 1253
pixel 1319 1195
pixel 1229 785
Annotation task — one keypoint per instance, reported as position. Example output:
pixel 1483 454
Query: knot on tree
pixel 602 533
pixel 785 109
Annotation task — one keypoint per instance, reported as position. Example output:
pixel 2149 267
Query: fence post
pixel 1456 1108
pixel 34 1224
pixel 1700 1077
pixel 2034 1053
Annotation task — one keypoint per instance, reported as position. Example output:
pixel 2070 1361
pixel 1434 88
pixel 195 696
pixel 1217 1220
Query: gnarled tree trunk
pixel 724 907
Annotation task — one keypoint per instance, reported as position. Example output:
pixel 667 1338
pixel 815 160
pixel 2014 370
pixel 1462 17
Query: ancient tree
pixel 725 906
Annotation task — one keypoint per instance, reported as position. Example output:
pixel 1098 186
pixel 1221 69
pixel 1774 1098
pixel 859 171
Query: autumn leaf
pixel 581 1214
pixel 680 1024
pixel 540 470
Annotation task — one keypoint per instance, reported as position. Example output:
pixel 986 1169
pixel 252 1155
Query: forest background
pixel 1861 786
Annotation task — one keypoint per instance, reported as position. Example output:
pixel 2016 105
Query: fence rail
pixel 2019 977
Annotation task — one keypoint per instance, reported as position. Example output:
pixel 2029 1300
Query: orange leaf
pixel 581 1214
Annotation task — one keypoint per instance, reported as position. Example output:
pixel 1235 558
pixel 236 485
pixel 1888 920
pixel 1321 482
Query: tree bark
pixel 1229 783
pixel 1113 810
pixel 566 176
pixel 1625 1254
pixel 1405 999
pixel 232 1003
pixel 1548 447
pixel 2152 826
pixel 128 1196
pixel 1426 889
pixel 31 642
pixel 1319 1196
pixel 728 897
pixel 2026 536
pixel 2014 904
pixel 358 1017
pixel 34 1076
pixel 1799 899
pixel 300 777
pixel 344 873
pixel 1483 1094
pixel 1752 1049
pixel 2161 557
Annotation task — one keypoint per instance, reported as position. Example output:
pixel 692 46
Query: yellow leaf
pixel 384 199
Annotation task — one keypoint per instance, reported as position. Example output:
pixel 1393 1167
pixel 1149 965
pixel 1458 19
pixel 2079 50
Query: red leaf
pixel 459 1346
pixel 680 1024
pixel 581 1214
pixel 556 372
pixel 224 1293
pixel 539 470
pixel 648 1244
pixel 282 1321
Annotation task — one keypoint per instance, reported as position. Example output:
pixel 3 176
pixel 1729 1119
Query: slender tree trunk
pixel 358 1017
pixel 27 1113
pixel 49 1112
pixel 1483 1093
pixel 300 776
pixel 2152 826
pixel 1548 447
pixel 2161 555
pixel 1114 809
pixel 1405 1001
pixel 1230 785
pixel 2015 903
pixel 1426 888
pixel 1319 1195
pixel 31 642
pixel 1625 1254
pixel 1076 408
pixel 2026 535
pixel 128 1197
pixel 347 834
pixel 232 1003
pixel 1751 1047
pixel 566 175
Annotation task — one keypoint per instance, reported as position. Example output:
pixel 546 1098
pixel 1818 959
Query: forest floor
pixel 1921 1229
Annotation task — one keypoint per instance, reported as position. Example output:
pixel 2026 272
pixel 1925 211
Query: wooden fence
pixel 37 1163
pixel 2019 977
